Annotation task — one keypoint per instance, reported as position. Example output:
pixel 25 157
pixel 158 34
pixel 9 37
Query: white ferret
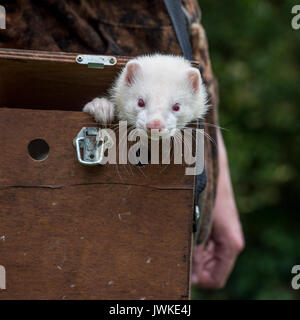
pixel 160 92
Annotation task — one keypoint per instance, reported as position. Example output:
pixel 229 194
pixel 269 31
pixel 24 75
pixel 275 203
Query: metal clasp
pixel 95 61
pixel 90 145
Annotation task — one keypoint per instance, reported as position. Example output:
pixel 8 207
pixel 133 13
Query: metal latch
pixel 196 218
pixel 94 61
pixel 91 144
pixel 198 224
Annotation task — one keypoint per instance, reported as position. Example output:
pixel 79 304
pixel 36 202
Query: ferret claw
pixel 101 109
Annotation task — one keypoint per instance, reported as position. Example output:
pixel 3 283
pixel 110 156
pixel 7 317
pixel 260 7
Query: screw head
pixel 112 60
pixel 79 58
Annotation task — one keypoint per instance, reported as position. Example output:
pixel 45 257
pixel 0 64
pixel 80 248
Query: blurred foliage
pixel 256 57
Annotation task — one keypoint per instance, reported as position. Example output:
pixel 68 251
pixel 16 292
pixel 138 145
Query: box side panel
pixel 72 232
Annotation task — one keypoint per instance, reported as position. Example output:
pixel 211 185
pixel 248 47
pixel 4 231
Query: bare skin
pixel 214 261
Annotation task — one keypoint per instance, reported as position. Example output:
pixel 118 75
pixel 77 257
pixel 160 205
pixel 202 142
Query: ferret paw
pixel 101 109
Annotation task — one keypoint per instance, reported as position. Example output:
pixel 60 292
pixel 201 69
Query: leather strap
pixel 179 24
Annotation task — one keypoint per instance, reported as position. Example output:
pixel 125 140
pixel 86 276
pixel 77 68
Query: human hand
pixel 214 260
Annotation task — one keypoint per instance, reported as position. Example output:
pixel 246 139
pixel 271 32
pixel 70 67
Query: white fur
pixel 101 109
pixel 161 81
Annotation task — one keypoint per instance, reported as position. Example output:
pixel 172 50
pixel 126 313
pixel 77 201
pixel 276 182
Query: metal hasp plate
pixel 90 146
pixel 94 61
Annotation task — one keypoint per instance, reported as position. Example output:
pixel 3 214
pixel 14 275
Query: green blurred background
pixel 256 57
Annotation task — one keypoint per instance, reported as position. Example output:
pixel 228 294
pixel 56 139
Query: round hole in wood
pixel 38 149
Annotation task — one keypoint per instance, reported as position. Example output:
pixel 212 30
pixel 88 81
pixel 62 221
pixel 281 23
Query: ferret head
pixel 159 92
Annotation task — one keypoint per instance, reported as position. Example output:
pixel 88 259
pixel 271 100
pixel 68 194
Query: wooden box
pixel 69 231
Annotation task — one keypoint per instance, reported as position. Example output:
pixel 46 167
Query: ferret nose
pixel 155 124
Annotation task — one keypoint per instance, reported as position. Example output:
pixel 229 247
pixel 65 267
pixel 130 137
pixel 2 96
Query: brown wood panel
pixel 36 84
pixel 72 232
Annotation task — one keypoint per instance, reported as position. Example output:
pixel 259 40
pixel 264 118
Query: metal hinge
pixel 91 144
pixel 94 61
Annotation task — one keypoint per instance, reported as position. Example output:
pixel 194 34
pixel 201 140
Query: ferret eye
pixel 176 107
pixel 141 103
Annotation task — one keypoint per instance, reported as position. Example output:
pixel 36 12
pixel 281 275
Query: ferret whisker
pixel 185 144
pixel 118 172
pixel 210 138
pixel 189 132
pixel 141 170
pixel 209 125
pixel 215 126
pixel 130 167
pixel 207 136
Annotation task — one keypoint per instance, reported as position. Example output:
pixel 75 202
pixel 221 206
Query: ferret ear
pixel 132 69
pixel 195 79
